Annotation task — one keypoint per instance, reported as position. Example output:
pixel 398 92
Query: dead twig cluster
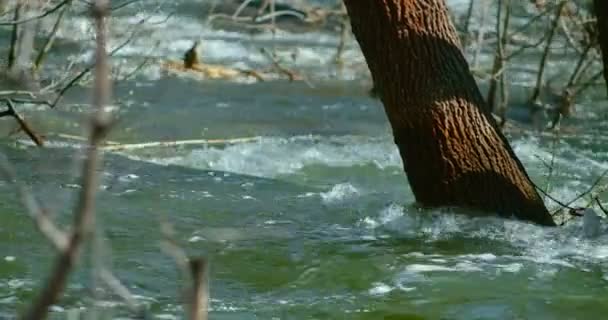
pixel 68 243
pixel 27 90
pixel 566 19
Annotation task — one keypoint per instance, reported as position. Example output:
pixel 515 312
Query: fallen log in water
pixel 210 71
pixel 133 146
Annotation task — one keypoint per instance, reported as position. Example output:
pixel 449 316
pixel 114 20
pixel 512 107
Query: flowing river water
pixel 313 218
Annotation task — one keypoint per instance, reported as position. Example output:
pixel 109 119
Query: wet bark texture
pixel 452 150
pixel 601 13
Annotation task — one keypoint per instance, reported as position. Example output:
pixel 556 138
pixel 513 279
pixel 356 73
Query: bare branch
pixel 40 16
pixel 551 32
pixel 88 69
pixel 291 75
pixel 238 10
pixel 118 288
pixel 51 39
pixel 22 123
pixel 197 295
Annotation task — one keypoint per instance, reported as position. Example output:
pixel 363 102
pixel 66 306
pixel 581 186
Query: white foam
pixel 482 256
pixel 11 300
pixel 388 215
pixel 544 249
pixel 591 224
pixel 339 193
pixel 306 195
pixel 196 239
pixel 422 268
pixel 56 308
pixel 272 156
pixel 166 36
pixel 512 267
pixel 379 288
pixel 17 283
pixel 128 177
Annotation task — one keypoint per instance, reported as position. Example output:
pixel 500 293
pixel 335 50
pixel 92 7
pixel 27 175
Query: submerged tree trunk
pixel 601 13
pixel 452 150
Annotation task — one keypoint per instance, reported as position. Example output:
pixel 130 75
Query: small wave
pixel 272 157
pixel 380 288
pixel 339 193
pixel 540 248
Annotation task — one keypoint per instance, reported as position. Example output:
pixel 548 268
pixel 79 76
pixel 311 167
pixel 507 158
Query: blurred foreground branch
pixel 196 296
pixel 84 213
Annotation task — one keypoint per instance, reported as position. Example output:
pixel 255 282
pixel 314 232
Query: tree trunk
pixel 452 150
pixel 26 38
pixel 12 51
pixel 3 6
pixel 601 13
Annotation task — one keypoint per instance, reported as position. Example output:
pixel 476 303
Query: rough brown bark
pixel 452 150
pixel 601 12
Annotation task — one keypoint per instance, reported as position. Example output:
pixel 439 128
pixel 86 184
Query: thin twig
pixel 552 199
pixel 589 82
pixel 589 190
pixel 599 204
pixel 291 75
pixel 240 8
pixel 531 21
pixel 525 47
pixel 22 123
pixel 51 39
pixel 40 16
pixel 541 69
pixel 86 70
